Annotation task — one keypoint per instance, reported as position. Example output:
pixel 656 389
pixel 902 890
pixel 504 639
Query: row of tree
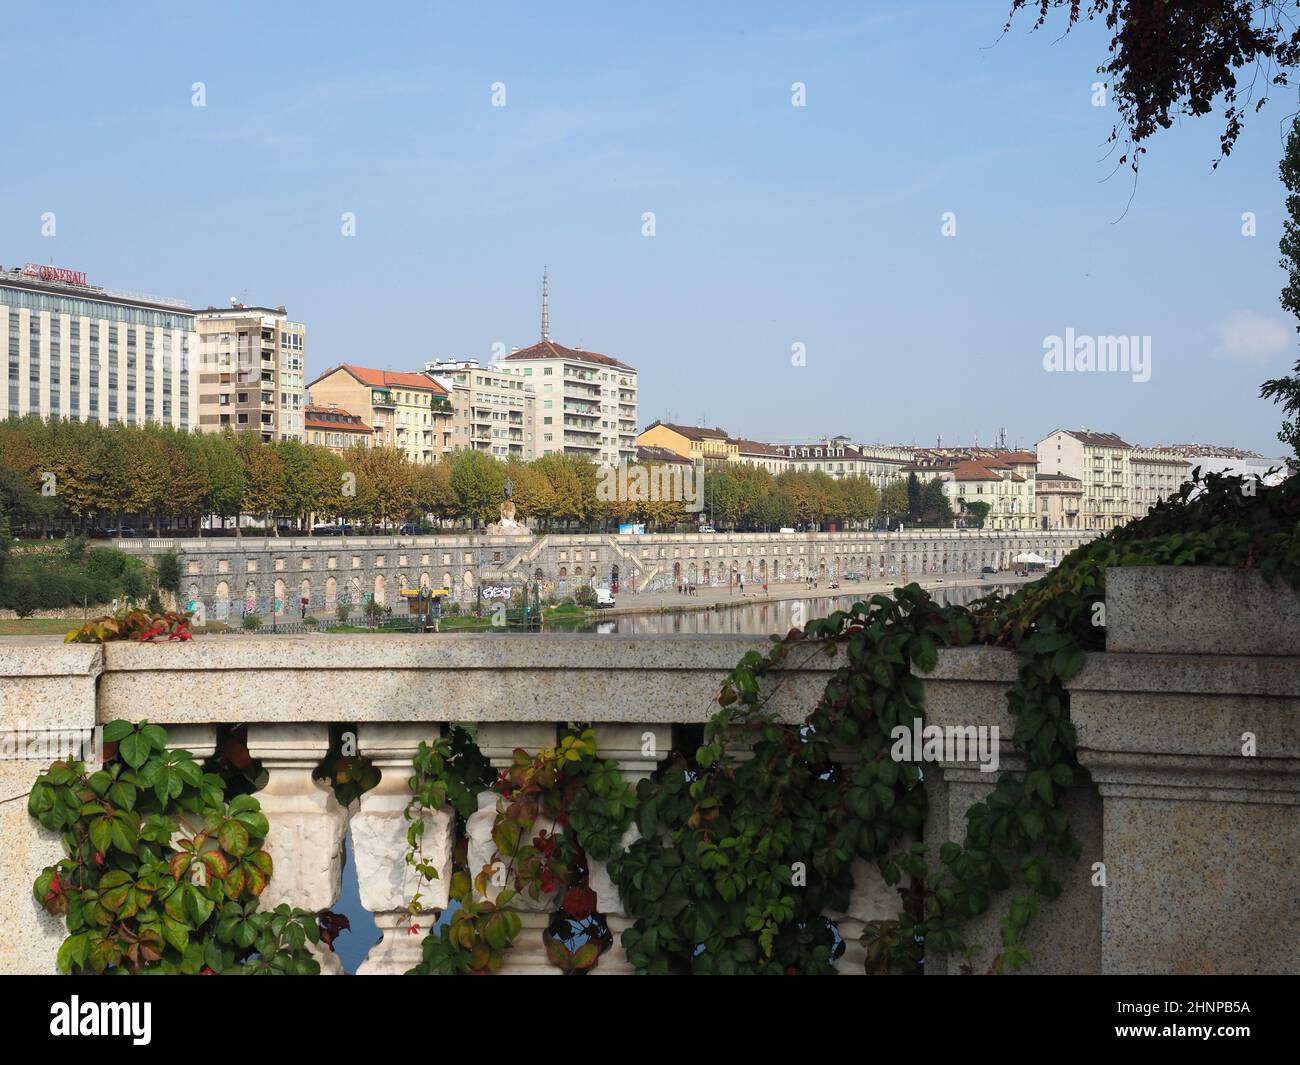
pixel 93 475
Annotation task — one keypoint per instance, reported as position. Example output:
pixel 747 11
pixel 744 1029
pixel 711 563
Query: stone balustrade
pixel 1187 821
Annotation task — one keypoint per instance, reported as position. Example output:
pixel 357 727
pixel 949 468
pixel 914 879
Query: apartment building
pixel 251 369
pixel 1101 463
pixel 1157 475
pixel 767 456
pixel 80 351
pixel 1234 461
pixel 408 411
pixel 1008 493
pixel 1059 499
pixel 491 411
pixel 838 457
pixel 694 442
pixel 335 428
pixel 586 402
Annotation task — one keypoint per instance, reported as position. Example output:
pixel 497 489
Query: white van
pixel 787 528
pixel 604 598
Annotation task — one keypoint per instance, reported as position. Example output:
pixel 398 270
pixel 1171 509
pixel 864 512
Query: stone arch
pixel 222 604
pixel 250 597
pixel 380 589
pixel 354 591
pixel 304 591
pixel 331 593
pixel 278 605
pixel 537 574
pixel 192 596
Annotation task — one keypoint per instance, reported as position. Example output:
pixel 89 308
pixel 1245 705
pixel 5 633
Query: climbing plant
pixel 747 844
pixel 161 873
pixel 552 808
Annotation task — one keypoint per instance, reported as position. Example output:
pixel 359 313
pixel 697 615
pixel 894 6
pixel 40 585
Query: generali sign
pixel 54 273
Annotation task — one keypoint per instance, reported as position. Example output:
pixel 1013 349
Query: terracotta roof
pixel 546 349
pixel 1058 477
pixel 753 447
pixel 318 417
pixel 1092 439
pixel 691 432
pixel 971 470
pixel 1019 456
pixel 386 378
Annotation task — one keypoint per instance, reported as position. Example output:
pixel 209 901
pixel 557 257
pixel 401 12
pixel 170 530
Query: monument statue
pixel 508 525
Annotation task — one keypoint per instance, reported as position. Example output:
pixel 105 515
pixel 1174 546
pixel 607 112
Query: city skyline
pixel 775 225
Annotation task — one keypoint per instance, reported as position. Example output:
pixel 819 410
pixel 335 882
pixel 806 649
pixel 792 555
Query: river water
pixel 755 619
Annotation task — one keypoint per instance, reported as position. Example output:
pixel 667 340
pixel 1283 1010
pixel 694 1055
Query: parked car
pixel 604 598
pixel 852 575
pixel 408 528
pixel 989 569
pixel 786 529
pixel 707 529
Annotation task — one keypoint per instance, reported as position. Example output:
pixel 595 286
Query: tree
pixel 935 508
pixel 894 500
pixel 478 482
pixel 1172 59
pixel 1286 390
pixel 978 509
pixel 263 476
pixel 914 501
pixel 225 481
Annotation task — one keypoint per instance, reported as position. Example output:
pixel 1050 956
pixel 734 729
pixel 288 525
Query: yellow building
pixel 692 442
pixel 408 411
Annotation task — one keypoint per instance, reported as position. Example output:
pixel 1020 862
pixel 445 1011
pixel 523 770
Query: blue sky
pixel 775 225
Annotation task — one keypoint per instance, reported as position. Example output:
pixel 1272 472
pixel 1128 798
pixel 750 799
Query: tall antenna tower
pixel 546 309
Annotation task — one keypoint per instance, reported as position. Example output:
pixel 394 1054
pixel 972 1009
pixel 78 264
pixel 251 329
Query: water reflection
pixel 755 619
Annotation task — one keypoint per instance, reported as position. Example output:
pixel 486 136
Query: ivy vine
pixel 161 873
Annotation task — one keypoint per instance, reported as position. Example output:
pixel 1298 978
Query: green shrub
pixel 75 548
pixel 135 585
pixel 343 611
pixel 585 596
pixel 252 621
pixel 22 596
pixel 106 564
pixel 53 591
pixel 169 572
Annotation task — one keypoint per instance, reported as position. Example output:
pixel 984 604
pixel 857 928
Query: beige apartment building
pixel 838 457
pixel 1101 463
pixel 1007 491
pixel 1059 499
pixel 1119 481
pixel 251 369
pixel 586 402
pixel 1157 475
pixel 408 411
pixel 80 351
pixel 491 411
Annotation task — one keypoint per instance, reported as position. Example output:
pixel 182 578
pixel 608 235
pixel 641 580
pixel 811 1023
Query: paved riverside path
pixel 709 598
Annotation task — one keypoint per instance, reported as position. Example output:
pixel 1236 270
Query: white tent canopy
pixel 1031 558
